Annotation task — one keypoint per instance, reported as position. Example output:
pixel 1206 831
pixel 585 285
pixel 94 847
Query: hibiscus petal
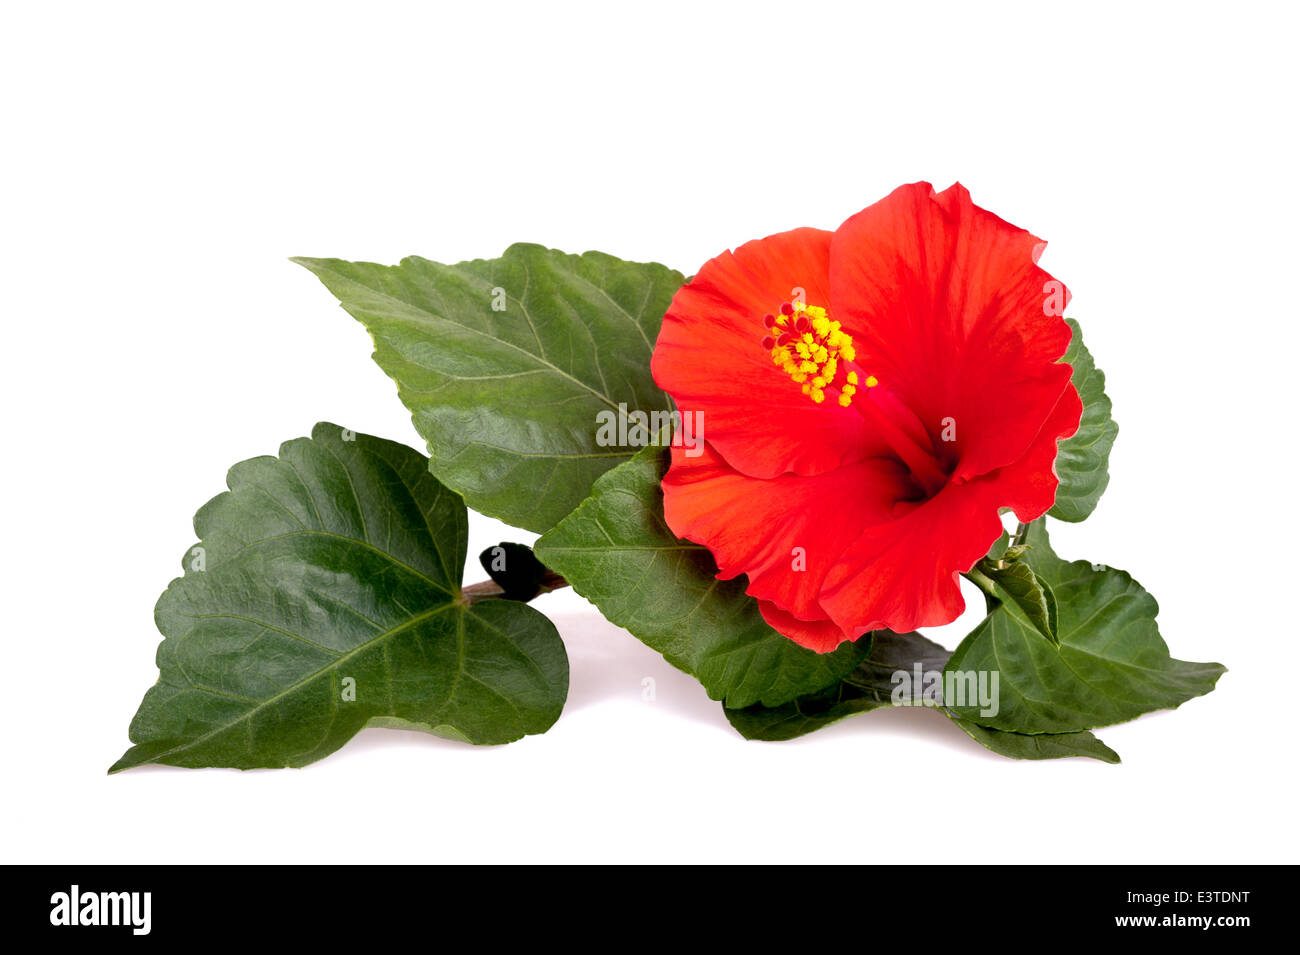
pixel 948 308
pixel 1029 485
pixel 709 357
pixel 784 532
pixel 820 635
pixel 904 574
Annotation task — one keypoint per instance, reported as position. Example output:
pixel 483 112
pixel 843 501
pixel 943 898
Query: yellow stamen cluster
pixel 809 347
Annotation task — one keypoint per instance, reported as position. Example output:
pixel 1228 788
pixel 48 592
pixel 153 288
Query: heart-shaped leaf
pixel 1081 461
pixel 1112 664
pixel 325 596
pixel 616 551
pixel 527 375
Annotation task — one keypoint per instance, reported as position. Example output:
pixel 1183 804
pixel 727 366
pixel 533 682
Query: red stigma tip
pixel 768 343
pixel 769 320
pixel 787 308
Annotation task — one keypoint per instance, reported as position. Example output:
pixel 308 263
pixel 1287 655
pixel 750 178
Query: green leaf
pixel 324 597
pixel 505 365
pixel 1082 459
pixel 1112 664
pixel 1040 746
pixel 616 551
pixel 1012 583
pixel 869 687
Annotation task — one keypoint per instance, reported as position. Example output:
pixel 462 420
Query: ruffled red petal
pixel 948 308
pixel 709 357
pixel 1029 485
pixel 784 532
pixel 820 635
pixel 903 574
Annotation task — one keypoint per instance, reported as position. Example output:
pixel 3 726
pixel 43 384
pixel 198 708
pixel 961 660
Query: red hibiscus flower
pixel 869 399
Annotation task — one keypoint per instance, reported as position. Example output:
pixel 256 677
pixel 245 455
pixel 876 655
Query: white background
pixel 161 163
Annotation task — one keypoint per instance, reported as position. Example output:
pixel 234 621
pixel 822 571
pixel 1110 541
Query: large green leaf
pixel 1082 459
pixel 1112 664
pixel 325 596
pixel 873 685
pixel 506 364
pixel 616 551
